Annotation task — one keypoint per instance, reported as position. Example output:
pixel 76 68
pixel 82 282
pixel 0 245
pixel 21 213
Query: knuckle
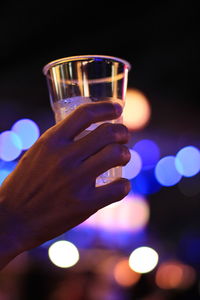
pixel 44 140
pixel 120 152
pixel 121 130
pixel 114 132
pixel 108 131
pixel 116 150
pixel 49 140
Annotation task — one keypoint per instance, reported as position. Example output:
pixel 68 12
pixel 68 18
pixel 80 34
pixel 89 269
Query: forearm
pixel 7 251
pixel 9 244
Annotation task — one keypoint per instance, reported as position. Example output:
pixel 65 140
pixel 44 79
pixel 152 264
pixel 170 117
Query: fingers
pixel 85 115
pixel 112 192
pixel 103 135
pixel 110 156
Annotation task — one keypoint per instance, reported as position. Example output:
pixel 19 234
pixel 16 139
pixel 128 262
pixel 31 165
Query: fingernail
pixel 118 108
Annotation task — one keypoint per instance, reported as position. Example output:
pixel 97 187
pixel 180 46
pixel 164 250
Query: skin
pixel 52 189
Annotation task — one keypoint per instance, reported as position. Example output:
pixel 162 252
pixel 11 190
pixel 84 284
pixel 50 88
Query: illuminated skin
pixel 52 189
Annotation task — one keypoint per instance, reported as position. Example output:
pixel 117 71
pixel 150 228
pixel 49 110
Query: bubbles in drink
pixel 63 108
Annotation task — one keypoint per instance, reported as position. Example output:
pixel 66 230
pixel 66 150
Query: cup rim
pixel 83 57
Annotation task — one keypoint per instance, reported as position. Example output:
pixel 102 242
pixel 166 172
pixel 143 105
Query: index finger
pixel 87 114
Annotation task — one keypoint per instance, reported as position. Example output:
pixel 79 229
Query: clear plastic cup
pixel 75 80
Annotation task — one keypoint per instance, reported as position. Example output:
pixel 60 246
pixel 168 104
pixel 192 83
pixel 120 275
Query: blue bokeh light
pixel 166 172
pixel 145 183
pixel 3 175
pixel 6 168
pixel 82 236
pixel 149 153
pixel 27 130
pixel 10 145
pixel 188 161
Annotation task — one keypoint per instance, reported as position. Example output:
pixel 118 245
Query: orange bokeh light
pixel 175 275
pixel 123 274
pixel 137 110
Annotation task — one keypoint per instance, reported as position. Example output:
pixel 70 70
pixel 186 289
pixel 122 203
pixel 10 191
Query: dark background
pixel 159 39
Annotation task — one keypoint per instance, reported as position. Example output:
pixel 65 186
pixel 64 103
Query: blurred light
pixel 103 260
pixel 28 132
pixel 190 187
pixel 143 259
pixel 6 167
pixel 149 153
pixel 130 214
pixel 124 275
pixel 63 254
pixel 10 145
pixel 82 236
pixel 145 183
pixel 3 175
pixel 175 275
pixel 188 161
pixel 137 110
pixel 133 213
pixel 166 172
pixel 133 167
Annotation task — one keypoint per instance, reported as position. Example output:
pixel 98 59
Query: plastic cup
pixel 76 80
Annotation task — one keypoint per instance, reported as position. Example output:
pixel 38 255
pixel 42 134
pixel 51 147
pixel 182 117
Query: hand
pixel 53 188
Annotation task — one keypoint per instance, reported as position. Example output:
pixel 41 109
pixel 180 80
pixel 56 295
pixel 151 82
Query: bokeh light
pixel 188 161
pixel 3 175
pixel 175 275
pixel 145 183
pixel 143 259
pixel 130 214
pixel 6 167
pixel 63 254
pixel 124 275
pixel 133 167
pixel 149 153
pixel 27 130
pixel 137 110
pixel 166 172
pixel 133 213
pixel 10 145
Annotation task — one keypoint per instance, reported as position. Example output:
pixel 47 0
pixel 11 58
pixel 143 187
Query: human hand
pixel 53 187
